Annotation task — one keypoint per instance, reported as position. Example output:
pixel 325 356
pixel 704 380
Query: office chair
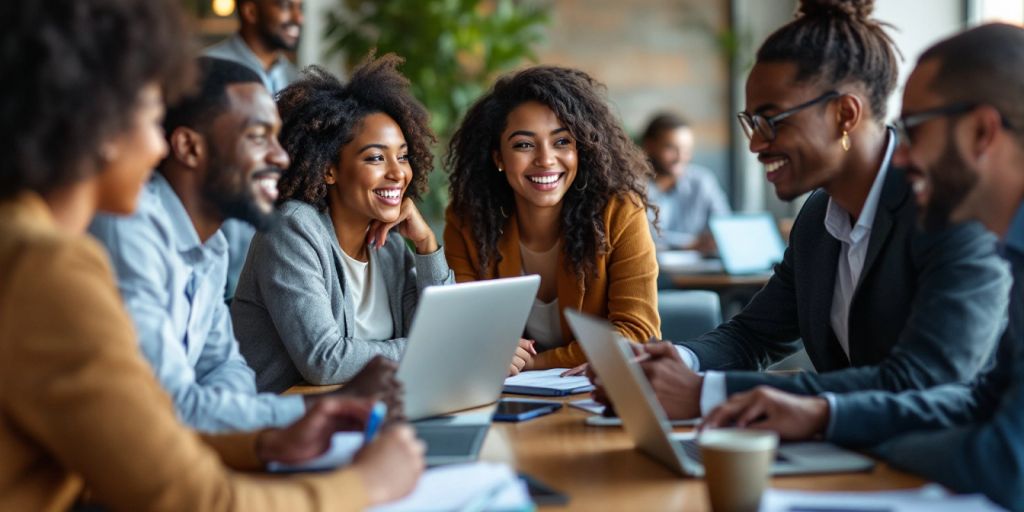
pixel 686 314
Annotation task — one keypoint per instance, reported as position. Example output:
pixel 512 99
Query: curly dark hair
pixel 75 69
pixel 610 164
pixel 320 114
pixel 836 42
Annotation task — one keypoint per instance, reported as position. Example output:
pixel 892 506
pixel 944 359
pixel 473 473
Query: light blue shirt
pixel 684 210
pixel 173 286
pixel 281 73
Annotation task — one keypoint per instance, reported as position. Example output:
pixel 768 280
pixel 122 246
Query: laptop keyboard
pixel 692 450
pixel 451 440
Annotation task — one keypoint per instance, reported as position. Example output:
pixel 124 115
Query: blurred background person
pixel 686 194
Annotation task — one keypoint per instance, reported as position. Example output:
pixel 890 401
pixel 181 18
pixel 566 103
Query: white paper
pixel 548 379
pixel 930 498
pixel 476 486
pixel 344 446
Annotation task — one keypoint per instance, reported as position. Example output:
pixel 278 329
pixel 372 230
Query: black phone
pixel 541 493
pixel 519 410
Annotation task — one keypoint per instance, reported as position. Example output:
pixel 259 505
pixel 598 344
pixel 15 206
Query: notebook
pixel 476 486
pixel 547 383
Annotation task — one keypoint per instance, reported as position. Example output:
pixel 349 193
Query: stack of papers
pixel 547 383
pixel 930 498
pixel 478 486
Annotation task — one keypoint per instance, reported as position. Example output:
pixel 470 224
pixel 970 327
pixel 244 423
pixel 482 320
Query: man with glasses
pixel 876 303
pixel 965 159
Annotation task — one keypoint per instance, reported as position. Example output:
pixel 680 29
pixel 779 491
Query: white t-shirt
pixel 370 299
pixel 544 324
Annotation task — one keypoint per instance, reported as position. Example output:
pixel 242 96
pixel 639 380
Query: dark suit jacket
pixel 928 309
pixel 982 448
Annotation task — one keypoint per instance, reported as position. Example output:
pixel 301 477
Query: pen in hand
pixel 377 415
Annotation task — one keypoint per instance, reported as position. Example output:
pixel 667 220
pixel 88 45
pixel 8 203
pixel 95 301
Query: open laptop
pixel 647 425
pixel 748 243
pixel 461 343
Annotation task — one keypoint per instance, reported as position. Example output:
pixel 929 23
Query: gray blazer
pixel 290 312
pixel 968 437
pixel 928 309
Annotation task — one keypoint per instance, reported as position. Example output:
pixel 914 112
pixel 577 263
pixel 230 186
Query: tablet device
pixel 519 410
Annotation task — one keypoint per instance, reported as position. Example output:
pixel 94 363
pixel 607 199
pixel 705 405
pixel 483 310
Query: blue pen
pixel 377 414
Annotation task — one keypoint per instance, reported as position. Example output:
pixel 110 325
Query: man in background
pixel 687 195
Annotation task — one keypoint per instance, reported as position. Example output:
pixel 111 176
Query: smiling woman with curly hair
pixel 545 181
pixel 323 294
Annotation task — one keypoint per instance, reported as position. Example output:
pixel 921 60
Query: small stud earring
pixel 845 141
pixel 500 169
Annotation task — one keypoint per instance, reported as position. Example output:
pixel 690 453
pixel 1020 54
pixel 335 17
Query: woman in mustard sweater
pixel 545 181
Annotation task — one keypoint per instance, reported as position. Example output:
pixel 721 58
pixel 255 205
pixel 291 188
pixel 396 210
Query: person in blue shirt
pixel 963 147
pixel 267 30
pixel 686 194
pixel 171 259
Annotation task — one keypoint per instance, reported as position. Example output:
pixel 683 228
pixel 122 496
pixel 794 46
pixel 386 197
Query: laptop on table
pixel 646 423
pixel 461 342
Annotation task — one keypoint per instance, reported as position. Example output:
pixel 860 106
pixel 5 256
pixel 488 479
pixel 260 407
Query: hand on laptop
pixel 310 436
pixel 674 383
pixel 523 359
pixel 794 417
pixel 391 464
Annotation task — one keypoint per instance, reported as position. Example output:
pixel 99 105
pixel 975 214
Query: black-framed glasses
pixel 906 123
pixel 765 126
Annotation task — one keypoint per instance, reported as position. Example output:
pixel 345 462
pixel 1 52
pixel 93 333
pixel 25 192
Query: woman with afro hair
pixel 544 180
pixel 335 284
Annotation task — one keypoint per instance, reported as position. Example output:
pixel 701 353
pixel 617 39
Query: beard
pixel 273 40
pixel 951 180
pixel 230 191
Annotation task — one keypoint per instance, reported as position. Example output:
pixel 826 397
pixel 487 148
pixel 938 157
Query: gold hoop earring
pixel 845 141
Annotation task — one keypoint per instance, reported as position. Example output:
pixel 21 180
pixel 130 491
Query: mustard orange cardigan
pixel 623 289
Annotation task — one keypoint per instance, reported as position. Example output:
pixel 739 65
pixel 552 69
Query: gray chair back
pixel 686 314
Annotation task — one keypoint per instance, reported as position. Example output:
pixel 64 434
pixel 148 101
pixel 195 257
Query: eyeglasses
pixel 906 123
pixel 765 126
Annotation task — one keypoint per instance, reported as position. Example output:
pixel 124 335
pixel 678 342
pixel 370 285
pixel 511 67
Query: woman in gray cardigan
pixel 335 283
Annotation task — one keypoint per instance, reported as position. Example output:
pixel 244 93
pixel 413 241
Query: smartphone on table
pixel 515 409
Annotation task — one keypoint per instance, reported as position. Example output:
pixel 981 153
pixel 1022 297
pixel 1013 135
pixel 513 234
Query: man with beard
pixel 267 29
pixel 170 257
pixel 686 194
pixel 963 147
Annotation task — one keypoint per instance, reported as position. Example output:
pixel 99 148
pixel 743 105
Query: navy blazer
pixel 928 309
pixel 982 448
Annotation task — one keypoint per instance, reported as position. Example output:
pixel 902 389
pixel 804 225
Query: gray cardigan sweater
pixel 291 313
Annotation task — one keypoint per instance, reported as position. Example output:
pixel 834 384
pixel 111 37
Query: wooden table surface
pixel 599 469
pixel 716 282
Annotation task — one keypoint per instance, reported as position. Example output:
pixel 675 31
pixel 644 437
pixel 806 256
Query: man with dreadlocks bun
pixel 336 285
pixel 545 181
pixel 878 303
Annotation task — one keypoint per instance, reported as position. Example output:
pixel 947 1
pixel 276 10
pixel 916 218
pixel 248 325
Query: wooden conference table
pixel 598 468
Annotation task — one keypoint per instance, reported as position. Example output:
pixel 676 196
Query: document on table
pixel 344 446
pixel 547 383
pixel 476 486
pixel 930 498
